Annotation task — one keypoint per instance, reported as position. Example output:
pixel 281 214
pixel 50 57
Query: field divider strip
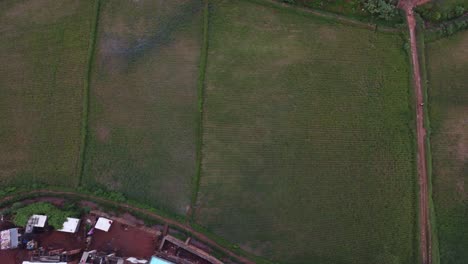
pixel 200 86
pixel 86 91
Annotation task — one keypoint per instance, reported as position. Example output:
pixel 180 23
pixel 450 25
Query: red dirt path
pixel 424 221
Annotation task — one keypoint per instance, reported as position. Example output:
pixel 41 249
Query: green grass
pixel 43 48
pixel 143 115
pixel 447 65
pixel 308 154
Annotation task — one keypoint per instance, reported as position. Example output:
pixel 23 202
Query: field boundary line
pixel 200 86
pixel 199 235
pixel 327 15
pixel 86 91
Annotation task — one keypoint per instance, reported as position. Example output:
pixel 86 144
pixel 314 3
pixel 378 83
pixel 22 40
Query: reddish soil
pixel 124 241
pixel 185 227
pixel 424 221
pixel 11 255
pixel 56 240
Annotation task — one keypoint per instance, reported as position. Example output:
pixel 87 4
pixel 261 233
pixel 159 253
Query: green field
pixel 143 101
pixel 448 103
pixel 43 50
pixel 308 153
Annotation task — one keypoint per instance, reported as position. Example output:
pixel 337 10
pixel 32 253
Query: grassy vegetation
pixel 308 154
pixel 143 101
pixel 447 67
pixel 43 48
pixel 56 216
pixel 86 88
pixel 201 83
pixel 443 10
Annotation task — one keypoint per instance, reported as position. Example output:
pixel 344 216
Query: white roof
pixel 71 225
pixel 40 222
pixel 103 224
pixel 28 262
pixel 135 260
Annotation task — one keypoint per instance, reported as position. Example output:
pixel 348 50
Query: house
pixel 103 224
pixel 9 238
pixel 36 221
pixel 71 225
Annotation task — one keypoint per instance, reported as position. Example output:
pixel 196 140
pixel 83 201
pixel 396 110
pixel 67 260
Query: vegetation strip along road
pixel 202 237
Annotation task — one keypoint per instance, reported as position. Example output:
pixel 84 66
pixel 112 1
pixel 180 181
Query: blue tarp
pixel 156 260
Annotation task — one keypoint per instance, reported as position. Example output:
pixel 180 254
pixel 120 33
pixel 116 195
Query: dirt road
pixel 185 227
pixel 424 220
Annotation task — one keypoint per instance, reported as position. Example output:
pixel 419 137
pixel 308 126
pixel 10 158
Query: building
pixel 9 238
pixel 71 225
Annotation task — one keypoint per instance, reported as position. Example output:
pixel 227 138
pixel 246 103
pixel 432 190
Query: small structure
pixel 71 225
pixel 185 249
pixel 91 257
pixel 156 260
pixel 9 238
pixel 36 221
pixel 29 262
pixel 136 261
pixel 103 224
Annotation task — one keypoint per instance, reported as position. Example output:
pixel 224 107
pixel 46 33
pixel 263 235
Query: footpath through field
pixel 424 221
pixel 185 227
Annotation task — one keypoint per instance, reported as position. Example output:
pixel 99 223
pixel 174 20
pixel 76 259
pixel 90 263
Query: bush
pixel 56 216
pixel 459 10
pixel 382 9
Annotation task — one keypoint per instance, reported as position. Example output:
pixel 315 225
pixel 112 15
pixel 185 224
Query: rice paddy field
pixel 308 150
pixel 43 53
pixel 447 66
pixel 143 112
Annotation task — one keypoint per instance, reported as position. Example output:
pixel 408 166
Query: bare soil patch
pixel 125 241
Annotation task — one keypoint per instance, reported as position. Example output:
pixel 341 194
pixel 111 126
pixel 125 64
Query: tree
pixel 435 16
pixel 459 10
pixel 380 8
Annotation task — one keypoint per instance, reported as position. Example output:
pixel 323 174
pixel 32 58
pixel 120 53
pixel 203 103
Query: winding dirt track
pixel 424 216
pixel 200 236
